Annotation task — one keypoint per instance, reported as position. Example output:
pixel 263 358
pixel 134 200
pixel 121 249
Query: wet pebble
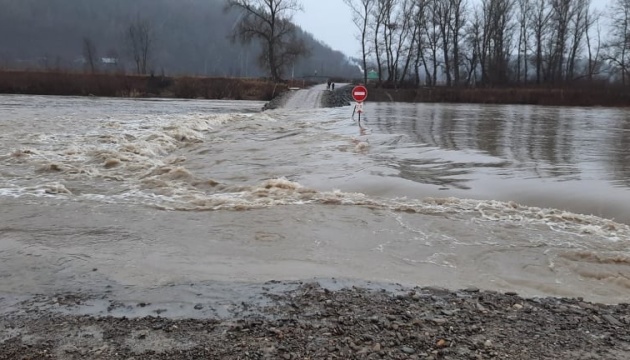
pixel 407 350
pixel 611 320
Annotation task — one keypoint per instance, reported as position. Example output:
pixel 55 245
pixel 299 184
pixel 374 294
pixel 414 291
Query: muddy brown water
pixel 147 194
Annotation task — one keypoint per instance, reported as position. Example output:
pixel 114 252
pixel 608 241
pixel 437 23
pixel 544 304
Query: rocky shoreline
pixel 339 97
pixel 312 321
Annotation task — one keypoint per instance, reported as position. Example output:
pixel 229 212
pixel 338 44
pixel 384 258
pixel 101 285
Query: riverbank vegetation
pixel 611 96
pixel 193 87
pixel 542 52
pixel 123 85
pixel 493 43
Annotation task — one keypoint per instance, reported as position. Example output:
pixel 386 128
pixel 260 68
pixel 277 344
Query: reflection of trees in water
pixel 550 142
pixel 450 118
pixel 547 142
pixel 434 172
pixel 432 124
pixel 410 120
pixel 490 130
pixel 538 139
pixel 519 145
pixel 619 152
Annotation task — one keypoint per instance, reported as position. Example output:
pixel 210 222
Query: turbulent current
pixel 147 193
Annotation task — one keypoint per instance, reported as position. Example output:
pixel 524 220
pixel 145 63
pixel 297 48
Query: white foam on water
pixel 170 188
pixel 283 192
pixel 124 151
pixel 138 154
pixel 13 192
pixel 43 190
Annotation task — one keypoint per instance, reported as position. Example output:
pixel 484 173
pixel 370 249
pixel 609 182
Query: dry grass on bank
pixel 121 85
pixel 572 96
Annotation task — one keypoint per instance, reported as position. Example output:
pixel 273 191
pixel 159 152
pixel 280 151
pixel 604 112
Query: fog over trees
pixel 177 37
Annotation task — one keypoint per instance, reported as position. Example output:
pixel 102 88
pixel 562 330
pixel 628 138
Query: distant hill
pixel 191 37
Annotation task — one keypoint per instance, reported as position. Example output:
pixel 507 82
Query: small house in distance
pixel 372 76
pixel 109 61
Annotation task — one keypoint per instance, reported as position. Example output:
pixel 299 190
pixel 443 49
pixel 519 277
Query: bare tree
pixel 420 20
pixel 473 42
pixel 561 15
pixel 524 14
pixel 618 48
pixel 458 12
pixel 361 11
pixel 539 21
pixel 378 16
pixel 594 63
pixel 389 26
pixel 89 54
pixel 490 42
pixel 140 43
pixel 560 27
pixel 429 40
pixel 270 22
pixel 497 34
pixel 578 29
pixel 412 27
pixel 442 16
pixel 399 38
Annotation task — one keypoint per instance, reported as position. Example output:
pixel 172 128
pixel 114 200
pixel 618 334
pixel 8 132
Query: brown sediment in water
pixel 53 167
pixel 598 258
pixel 178 173
pixel 205 184
pixel 111 163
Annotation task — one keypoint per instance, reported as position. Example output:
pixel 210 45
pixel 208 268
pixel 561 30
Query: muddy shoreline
pixel 316 320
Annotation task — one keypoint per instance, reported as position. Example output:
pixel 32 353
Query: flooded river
pixel 143 194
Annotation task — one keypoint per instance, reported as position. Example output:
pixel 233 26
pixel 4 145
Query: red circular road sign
pixel 359 93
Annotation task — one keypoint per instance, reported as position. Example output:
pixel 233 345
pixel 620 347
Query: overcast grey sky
pixel 331 22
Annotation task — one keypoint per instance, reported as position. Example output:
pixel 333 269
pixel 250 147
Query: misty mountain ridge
pixel 190 37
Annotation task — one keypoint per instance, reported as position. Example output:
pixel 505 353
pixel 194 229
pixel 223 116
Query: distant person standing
pixel 333 86
pixel 328 88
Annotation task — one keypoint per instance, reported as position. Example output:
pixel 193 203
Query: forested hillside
pixel 189 37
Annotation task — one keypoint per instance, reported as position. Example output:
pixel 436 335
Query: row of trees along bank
pixel 493 42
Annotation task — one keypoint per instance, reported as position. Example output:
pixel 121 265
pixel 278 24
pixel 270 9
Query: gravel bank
pixel 341 96
pixel 308 321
